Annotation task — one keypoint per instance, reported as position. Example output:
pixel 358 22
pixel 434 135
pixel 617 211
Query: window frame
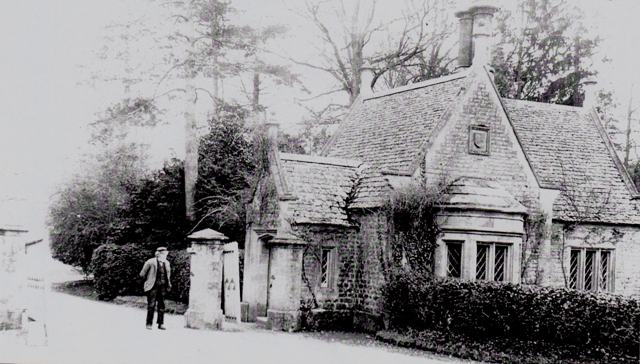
pixel 460 244
pixel 580 271
pixel 326 268
pixel 490 261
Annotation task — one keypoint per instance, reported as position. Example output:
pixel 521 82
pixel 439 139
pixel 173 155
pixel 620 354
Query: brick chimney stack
pixel 476 33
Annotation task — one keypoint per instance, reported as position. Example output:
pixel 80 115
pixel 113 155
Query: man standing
pixel 157 275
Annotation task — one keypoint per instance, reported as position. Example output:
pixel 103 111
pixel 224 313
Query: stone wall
pixel 339 294
pixel 624 240
pixel 449 156
pixel 357 289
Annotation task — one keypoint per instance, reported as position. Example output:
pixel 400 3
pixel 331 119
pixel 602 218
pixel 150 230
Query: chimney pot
pixel 366 76
pixel 476 33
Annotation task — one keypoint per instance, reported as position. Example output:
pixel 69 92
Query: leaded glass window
pixel 574 267
pixel 500 266
pixel 454 259
pixel 591 269
pixel 325 267
pixel 492 262
pixel 482 261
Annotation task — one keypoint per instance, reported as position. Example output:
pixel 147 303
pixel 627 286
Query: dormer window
pixel 479 140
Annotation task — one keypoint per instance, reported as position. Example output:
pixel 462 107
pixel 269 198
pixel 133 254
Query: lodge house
pixel 509 160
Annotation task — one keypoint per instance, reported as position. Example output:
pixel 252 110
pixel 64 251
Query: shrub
pixel 180 275
pixel 593 324
pixel 115 270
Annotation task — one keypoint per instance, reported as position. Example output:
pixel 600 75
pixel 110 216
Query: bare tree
pixel 345 59
pixel 419 50
pixel 630 118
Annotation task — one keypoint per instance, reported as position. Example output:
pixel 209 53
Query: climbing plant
pixel 413 215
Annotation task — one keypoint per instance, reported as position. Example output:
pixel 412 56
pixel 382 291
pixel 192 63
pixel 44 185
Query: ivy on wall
pixel 413 213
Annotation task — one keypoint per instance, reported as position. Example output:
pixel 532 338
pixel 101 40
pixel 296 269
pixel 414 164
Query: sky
pixel 46 104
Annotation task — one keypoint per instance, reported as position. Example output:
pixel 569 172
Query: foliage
pixel 546 57
pixel 116 268
pixel 118 119
pixel 117 204
pixel 89 210
pixel 606 106
pixel 226 164
pixel 535 230
pixel 116 271
pixel 288 143
pixel 492 350
pixel 180 275
pixel 413 212
pixel 597 325
pixel 156 210
pixel 634 172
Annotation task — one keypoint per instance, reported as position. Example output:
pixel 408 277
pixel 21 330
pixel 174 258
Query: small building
pixel 316 231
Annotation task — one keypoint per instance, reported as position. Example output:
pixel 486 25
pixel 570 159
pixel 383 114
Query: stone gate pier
pixel 205 294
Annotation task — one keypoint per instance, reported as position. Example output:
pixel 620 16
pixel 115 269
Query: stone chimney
pixel 476 33
pixel 365 83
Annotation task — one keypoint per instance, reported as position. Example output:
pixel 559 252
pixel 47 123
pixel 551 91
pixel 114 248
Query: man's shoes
pixel 161 327
pixel 149 327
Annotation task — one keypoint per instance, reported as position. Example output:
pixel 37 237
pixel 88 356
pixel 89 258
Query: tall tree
pixel 631 120
pixel 280 74
pixel 88 210
pixel 420 48
pixel 606 107
pixel 342 53
pixel 544 53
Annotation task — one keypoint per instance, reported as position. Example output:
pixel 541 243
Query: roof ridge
pixel 548 104
pixel 342 162
pixel 417 85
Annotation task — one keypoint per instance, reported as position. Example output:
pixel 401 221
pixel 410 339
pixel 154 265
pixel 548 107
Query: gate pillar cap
pixel 207 234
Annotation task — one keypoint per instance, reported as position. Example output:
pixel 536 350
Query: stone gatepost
pixel 285 284
pixel 12 278
pixel 205 293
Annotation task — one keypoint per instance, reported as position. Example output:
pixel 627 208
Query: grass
pixel 493 350
pixel 84 288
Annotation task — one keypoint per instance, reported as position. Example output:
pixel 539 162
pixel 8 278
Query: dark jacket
pixel 149 270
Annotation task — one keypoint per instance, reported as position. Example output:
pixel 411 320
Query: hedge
pixel 115 271
pixel 593 324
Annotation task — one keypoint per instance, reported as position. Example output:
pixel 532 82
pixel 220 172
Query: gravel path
pixel 86 332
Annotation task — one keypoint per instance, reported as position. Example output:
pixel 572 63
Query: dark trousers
pixel 155 298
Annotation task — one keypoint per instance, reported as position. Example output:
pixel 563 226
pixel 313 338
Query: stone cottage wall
pixel 357 288
pixel 625 241
pixel 340 292
pixel 450 157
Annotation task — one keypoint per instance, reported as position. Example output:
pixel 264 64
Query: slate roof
pixel 387 129
pixel 568 150
pixel 384 133
pixel 320 185
pixel 373 188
